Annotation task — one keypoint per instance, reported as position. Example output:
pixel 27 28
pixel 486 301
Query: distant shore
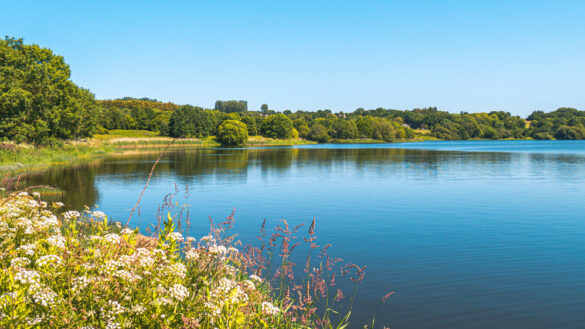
pixel 17 159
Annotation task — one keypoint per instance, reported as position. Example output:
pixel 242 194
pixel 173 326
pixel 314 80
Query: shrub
pixel 232 132
pixel 277 126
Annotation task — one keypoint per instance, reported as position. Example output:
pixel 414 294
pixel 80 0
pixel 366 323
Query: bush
pixel 277 126
pixel 232 132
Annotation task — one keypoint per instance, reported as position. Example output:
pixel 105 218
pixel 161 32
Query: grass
pixel 77 270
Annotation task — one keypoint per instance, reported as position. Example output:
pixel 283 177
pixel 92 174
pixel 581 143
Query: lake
pixel 479 234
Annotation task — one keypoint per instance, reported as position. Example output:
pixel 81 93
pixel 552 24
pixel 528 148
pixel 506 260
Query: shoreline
pixel 22 159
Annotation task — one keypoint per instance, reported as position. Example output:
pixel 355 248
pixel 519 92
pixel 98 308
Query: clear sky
pixel 516 56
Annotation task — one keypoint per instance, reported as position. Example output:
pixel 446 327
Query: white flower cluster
pixel 112 238
pixel 27 276
pixel 191 255
pixel 48 259
pixel 43 295
pixel 98 214
pixel 269 309
pixel 176 236
pixel 71 214
pixel 19 262
pixel 179 292
pixel 178 270
pixel 127 231
pixel 57 241
pixel 27 249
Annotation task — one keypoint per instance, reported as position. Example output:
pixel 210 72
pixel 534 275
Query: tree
pixel 277 126
pixel 38 102
pixel 231 106
pixel 343 129
pixel 190 121
pixel 302 127
pixel 232 132
pixel 264 108
pixel 251 124
pixel 319 133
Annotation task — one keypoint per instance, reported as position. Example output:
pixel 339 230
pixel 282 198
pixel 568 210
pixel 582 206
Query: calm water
pixel 468 234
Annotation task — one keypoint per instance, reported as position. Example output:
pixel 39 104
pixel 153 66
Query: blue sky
pixel 474 56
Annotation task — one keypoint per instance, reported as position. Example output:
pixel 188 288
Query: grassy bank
pixel 19 158
pixel 77 270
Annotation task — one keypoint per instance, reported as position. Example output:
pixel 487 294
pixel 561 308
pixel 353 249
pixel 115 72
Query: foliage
pixel 319 133
pixel 78 270
pixel 277 126
pixel 38 102
pixel 232 132
pixel 231 106
pixel 251 124
pixel 190 121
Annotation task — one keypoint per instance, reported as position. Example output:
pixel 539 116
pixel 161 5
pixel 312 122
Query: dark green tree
pixel 190 121
pixel 251 124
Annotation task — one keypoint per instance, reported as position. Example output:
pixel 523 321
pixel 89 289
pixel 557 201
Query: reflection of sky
pixel 475 236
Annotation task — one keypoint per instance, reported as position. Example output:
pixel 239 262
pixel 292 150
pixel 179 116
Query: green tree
pixel 277 126
pixel 319 133
pixel 251 124
pixel 264 108
pixel 190 121
pixel 231 106
pixel 343 129
pixel 38 102
pixel 302 127
pixel 232 132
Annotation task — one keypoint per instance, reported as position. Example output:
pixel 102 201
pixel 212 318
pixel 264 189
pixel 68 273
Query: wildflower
pixel 138 309
pixel 112 238
pixel 207 238
pixel 191 254
pixel 57 241
pixel 177 270
pixel 36 194
pixel 48 259
pixel 255 278
pixel 127 231
pixel 43 295
pixel 58 204
pixel 27 276
pixel 80 283
pixel 98 214
pixel 218 250
pixel 249 284
pixel 176 236
pixel 71 214
pixel 179 292
pixel 269 309
pixel 19 262
pixel 190 239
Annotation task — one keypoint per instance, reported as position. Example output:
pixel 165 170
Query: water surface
pixel 468 234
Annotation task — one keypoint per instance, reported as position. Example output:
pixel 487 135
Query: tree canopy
pixel 38 102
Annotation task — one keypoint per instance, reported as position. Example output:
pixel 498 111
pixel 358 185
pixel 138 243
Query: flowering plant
pixel 77 270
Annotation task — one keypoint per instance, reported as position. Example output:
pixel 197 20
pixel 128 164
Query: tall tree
pixel 38 102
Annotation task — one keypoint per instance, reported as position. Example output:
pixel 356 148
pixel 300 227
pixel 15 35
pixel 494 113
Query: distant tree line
pixel 39 104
